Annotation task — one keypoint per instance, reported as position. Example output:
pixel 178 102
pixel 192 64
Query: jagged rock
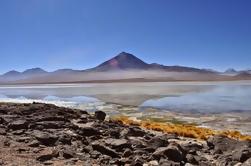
pixel 104 150
pixel 67 154
pixel 88 131
pixel 48 156
pixel 135 132
pixel 118 143
pixel 172 152
pixel 45 138
pixel 51 124
pixel 51 118
pixel 191 146
pixel 137 142
pixel 34 143
pixel 114 133
pixel 100 115
pixel 222 144
pixel 158 141
pixel 18 124
pixel 65 139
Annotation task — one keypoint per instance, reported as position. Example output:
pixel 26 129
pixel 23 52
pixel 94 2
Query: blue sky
pixel 79 34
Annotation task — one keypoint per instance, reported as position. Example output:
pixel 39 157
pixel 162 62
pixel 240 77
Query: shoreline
pixel 125 81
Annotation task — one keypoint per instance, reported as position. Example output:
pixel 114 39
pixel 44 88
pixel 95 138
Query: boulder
pixel 88 131
pixel 45 138
pixel 172 152
pixel 100 115
pixel 222 144
pixel 135 132
pixel 67 154
pixel 157 141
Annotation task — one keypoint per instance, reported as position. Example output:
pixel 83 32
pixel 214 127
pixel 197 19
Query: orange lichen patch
pixel 184 130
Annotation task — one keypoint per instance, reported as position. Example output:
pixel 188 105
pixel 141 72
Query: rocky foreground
pixel 42 134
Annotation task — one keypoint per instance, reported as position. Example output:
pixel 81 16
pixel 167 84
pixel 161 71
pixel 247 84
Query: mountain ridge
pixel 124 66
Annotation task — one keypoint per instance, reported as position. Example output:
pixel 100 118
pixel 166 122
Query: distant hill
pixel 15 75
pixel 243 75
pixel 34 71
pixel 124 67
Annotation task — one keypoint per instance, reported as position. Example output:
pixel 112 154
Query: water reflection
pixel 223 98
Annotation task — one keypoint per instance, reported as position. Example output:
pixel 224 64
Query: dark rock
pixel 199 159
pixel 20 150
pixel 95 154
pixel 117 143
pixel 18 124
pixel 33 143
pixel 191 147
pixel 135 132
pixel 114 133
pixel 51 125
pixel 138 142
pixel 225 160
pixel 127 153
pixel 48 156
pixel 18 132
pixel 190 159
pixel 65 139
pixel 104 150
pixel 2 121
pixel 23 139
pixel 45 138
pixel 100 115
pixel 89 131
pixel 158 141
pixel 2 131
pixel 51 118
pixel 172 152
pixel 222 144
pixel 87 149
pixel 67 154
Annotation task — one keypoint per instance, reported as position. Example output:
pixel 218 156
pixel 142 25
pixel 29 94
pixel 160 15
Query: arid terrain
pixel 43 134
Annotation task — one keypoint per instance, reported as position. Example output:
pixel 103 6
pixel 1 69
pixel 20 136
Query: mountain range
pixel 121 68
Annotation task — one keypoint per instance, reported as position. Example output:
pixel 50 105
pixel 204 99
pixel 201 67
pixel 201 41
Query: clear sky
pixel 79 34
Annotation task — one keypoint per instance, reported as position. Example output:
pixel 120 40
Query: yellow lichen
pixel 184 130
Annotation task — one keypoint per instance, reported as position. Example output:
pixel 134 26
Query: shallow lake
pixel 175 96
